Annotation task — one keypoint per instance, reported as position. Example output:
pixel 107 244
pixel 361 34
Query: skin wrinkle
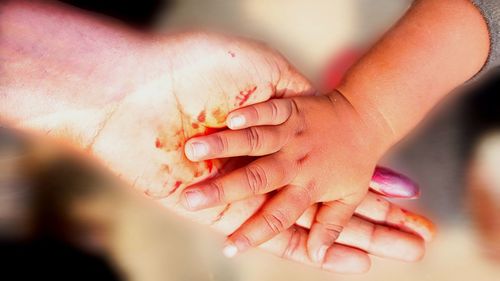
pixel 386 216
pixel 303 159
pixel 254 139
pixel 184 137
pixel 102 127
pixel 223 143
pixel 221 214
pixel 333 230
pixel 275 221
pixel 182 115
pixel 371 236
pixel 274 110
pixel 302 124
pixel 363 121
pixel 256 178
pixel 293 242
pixel 219 190
pixel 311 188
pixel 258 73
pixel 290 109
pixel 275 90
pixel 135 181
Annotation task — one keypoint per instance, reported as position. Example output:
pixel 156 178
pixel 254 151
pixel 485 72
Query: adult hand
pixel 131 101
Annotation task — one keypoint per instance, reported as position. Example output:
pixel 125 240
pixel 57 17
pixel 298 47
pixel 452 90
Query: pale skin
pixel 131 101
pixel 323 149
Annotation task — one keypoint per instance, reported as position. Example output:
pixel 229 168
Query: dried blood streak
pixel 176 186
pixel 158 143
pixel 202 117
pixel 245 95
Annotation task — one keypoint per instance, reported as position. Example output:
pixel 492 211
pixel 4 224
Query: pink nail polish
pixel 393 184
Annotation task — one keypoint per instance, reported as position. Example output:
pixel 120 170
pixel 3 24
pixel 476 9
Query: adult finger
pixel 381 240
pixel 379 210
pixel 292 245
pixel 376 209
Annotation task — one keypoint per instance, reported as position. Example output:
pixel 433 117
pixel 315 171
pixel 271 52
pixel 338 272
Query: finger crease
pixel 256 178
pixel 293 243
pixel 274 222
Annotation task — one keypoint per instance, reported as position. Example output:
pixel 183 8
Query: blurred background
pixel 62 219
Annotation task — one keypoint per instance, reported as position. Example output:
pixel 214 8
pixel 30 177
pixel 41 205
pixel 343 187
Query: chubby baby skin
pixel 315 149
pixel 132 102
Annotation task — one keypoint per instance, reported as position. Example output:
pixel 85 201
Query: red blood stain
pixel 231 54
pixel 245 95
pixel 195 125
pixel 219 115
pixel 197 173
pixel 202 116
pixel 167 168
pixel 179 145
pixel 176 186
pixel 179 133
pixel 158 143
pixel 208 131
pixel 413 221
pixel 210 165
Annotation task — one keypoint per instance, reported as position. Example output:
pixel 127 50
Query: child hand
pixel 318 149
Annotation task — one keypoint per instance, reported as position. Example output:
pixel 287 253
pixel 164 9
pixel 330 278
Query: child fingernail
pixel 237 245
pixel 230 250
pixel 394 184
pixel 196 150
pixel 236 121
pixel 194 199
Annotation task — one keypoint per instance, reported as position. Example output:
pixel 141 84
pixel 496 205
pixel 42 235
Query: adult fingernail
pixel 194 199
pixel 196 150
pixel 394 184
pixel 320 253
pixel 236 121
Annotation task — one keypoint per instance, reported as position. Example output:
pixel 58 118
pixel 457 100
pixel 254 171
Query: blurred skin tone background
pixel 57 212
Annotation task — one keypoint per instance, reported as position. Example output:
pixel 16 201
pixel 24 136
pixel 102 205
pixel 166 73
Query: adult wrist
pixel 53 52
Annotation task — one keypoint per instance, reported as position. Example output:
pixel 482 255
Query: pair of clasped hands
pixel 218 129
pixel 224 131
pixel 261 133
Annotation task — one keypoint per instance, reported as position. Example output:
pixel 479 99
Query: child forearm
pixel 437 46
